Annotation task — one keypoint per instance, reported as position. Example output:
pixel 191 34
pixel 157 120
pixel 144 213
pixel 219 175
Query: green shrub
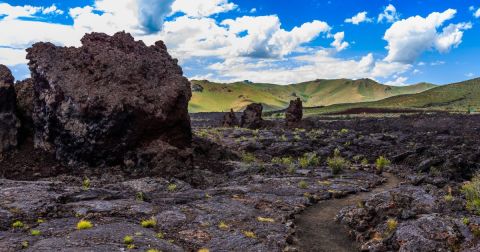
pixel 86 184
pixel 344 131
pixel 392 224
pixel 364 162
pixel 128 239
pixel 172 187
pixel 35 232
pixel 381 163
pixel 337 163
pixel 18 224
pixel 150 223
pixel 84 224
pixel 308 159
pixel 471 190
pixel 302 185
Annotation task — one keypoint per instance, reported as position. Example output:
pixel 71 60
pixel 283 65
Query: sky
pixel 396 42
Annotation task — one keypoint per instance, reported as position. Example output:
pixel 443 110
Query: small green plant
pixel 131 246
pixel 364 162
pixel 150 223
pixel 302 184
pixel 297 137
pixel 381 163
pixel 35 232
pixel 223 225
pixel 337 163
pixel 248 157
pixel 86 184
pixel 264 219
pixel 18 224
pixel 172 187
pixel 40 221
pixel 471 190
pixel 153 250
pixel 283 138
pixel 308 159
pixel 203 250
pixel 140 196
pixel 465 221
pixel 344 131
pixel 84 224
pixel 160 235
pixel 128 239
pixel 291 169
pixel 392 225
pixel 25 244
pixel 249 234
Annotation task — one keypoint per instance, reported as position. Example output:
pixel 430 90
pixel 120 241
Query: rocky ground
pixel 248 186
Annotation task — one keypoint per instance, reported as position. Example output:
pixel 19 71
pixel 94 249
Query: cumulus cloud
pixel 399 81
pixel 12 12
pixel 389 14
pixel 477 13
pixel 202 8
pixel 359 18
pixel 409 38
pixel 338 43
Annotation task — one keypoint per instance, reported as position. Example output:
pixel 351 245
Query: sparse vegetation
pixel 337 163
pixel 449 196
pixel 140 196
pixel 149 223
pixel 128 239
pixel 203 250
pixel 223 225
pixel 263 219
pixel 308 159
pixel 84 224
pixel 172 187
pixel 248 157
pixel 471 190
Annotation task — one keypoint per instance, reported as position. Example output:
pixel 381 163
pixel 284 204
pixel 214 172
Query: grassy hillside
pixel 453 97
pixel 222 97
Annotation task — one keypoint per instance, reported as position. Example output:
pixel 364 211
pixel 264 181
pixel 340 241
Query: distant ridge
pixel 216 97
pixel 461 96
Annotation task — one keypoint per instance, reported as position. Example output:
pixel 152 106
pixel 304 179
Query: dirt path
pixel 317 230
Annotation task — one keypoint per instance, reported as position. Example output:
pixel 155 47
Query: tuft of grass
pixel 449 196
pixel 381 163
pixel 153 250
pixel 84 224
pixel 160 235
pixel 128 239
pixel 364 162
pixel 150 223
pixel 35 232
pixel 471 190
pixel 25 244
pixel 18 224
pixel 249 234
pixel 86 184
pixel 263 219
pixel 302 184
pixel 172 187
pixel 40 221
pixel 344 131
pixel 337 163
pixel 140 196
pixel 131 246
pixel 203 250
pixel 465 221
pixel 392 225
pixel 223 225
pixel 248 157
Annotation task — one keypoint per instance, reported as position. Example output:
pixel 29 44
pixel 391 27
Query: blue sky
pixel 276 41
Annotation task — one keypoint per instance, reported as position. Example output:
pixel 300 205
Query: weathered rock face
pixel 252 116
pixel 25 100
pixel 230 119
pixel 294 112
pixel 110 97
pixel 197 88
pixel 9 122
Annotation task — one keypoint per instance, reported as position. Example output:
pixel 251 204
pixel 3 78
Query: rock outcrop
pixel 294 112
pixel 25 98
pixel 113 101
pixel 252 116
pixel 230 119
pixel 197 88
pixel 9 122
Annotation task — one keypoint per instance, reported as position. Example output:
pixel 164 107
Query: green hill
pixel 216 97
pixel 453 97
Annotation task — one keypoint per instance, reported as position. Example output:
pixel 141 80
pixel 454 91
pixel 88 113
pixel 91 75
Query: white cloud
pixel 389 14
pixel 253 10
pixel 477 13
pixel 400 81
pixel 338 43
pixel 202 8
pixel 409 38
pixel 52 10
pixel 359 18
pixel 470 75
pixel 437 63
pixel 12 56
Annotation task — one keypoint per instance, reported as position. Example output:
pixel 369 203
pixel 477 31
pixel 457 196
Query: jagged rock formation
pixel 113 101
pixel 197 88
pixel 252 116
pixel 294 112
pixel 9 122
pixel 25 98
pixel 230 119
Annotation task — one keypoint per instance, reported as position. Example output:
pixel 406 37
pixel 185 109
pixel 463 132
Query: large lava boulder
pixel 294 112
pixel 25 101
pixel 9 122
pixel 252 116
pixel 230 119
pixel 113 101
